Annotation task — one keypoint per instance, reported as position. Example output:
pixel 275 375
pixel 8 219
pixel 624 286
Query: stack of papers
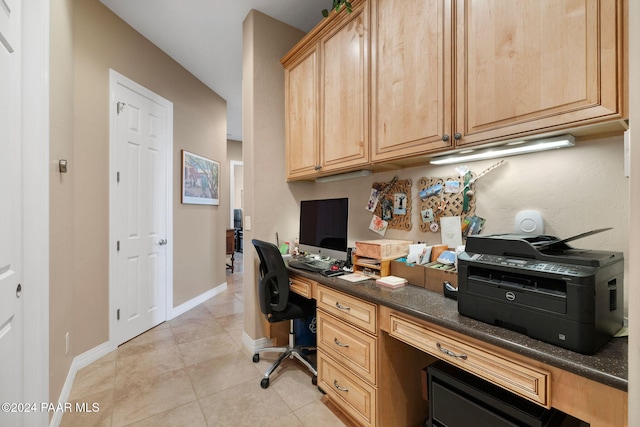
pixel 369 261
pixel 354 277
pixel 391 281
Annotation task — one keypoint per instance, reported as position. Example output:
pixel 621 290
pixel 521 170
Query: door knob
pixel 162 242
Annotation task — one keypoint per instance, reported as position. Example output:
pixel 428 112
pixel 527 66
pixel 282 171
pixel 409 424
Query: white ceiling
pixel 205 37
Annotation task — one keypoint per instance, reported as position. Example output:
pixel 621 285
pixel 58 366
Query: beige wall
pixel 564 185
pixel 62 202
pixel 575 189
pixel 88 40
pixel 267 199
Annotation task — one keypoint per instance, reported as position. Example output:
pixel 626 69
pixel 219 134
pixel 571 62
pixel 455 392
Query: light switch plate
pixel 247 223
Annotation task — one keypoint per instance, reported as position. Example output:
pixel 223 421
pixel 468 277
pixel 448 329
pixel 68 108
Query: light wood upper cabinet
pixel 526 67
pixel 345 93
pixel 411 86
pixel 327 97
pixel 302 104
pixel 449 73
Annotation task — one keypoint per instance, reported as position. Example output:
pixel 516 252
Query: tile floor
pixel 192 371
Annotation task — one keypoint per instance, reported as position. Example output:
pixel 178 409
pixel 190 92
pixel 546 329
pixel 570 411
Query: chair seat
pixel 297 308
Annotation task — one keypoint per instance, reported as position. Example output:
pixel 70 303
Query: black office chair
pixel 278 304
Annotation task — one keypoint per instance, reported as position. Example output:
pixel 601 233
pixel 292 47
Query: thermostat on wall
pixel 529 222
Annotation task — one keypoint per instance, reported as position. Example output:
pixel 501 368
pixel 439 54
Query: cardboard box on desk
pixel 414 273
pixel 436 274
pixel 383 248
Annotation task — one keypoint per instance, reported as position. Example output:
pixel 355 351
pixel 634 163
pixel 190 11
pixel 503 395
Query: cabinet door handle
pixel 451 353
pixel 339 344
pixel 457 136
pixel 317 167
pixel 445 137
pixel 335 384
pixel 342 307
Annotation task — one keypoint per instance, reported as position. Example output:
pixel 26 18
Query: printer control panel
pixel 529 264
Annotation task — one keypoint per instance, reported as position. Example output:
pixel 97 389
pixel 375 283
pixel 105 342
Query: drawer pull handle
pixel 342 307
pixel 335 384
pixel 339 344
pixel 451 353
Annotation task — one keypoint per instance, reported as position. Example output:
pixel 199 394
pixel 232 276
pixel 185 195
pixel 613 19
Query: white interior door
pixel 11 237
pixel 142 144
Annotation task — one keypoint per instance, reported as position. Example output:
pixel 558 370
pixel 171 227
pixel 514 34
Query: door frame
pixel 35 177
pixel 116 79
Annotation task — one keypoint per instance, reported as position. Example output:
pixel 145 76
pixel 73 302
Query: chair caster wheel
pixel 256 358
pixel 264 383
pixel 314 380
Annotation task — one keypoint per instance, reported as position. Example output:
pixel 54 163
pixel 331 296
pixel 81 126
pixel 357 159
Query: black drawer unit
pixel 460 399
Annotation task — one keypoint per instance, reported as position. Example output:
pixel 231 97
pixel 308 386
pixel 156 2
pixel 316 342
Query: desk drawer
pixel 348 345
pixel 352 394
pixel 301 286
pixel 528 382
pixel 353 310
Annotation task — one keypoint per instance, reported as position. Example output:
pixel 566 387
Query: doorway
pixel 140 208
pixel 236 192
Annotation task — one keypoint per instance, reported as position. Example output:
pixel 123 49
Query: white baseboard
pixel 186 306
pixel 79 362
pixel 254 345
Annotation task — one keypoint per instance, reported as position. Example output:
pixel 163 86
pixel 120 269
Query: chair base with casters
pixel 291 351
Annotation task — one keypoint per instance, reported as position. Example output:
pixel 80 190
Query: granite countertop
pixel 608 366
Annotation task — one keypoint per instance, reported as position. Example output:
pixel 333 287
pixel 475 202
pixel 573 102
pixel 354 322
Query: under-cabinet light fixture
pixel 509 149
pixel 348 175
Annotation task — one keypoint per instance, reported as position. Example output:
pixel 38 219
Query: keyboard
pixel 310 264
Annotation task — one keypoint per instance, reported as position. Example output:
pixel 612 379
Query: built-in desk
pixel 590 388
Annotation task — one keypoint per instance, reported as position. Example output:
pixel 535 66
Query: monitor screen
pixel 323 227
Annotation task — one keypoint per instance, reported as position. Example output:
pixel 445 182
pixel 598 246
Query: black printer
pixel 542 287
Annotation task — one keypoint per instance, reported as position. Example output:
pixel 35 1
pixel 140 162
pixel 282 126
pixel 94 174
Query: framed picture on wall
pixel 200 180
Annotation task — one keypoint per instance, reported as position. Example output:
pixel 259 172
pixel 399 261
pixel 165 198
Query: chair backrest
pixel 273 286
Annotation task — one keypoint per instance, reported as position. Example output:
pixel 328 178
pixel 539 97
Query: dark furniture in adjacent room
pixel 231 247
pixel 278 304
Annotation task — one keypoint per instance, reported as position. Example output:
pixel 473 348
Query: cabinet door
pixel 302 111
pixel 410 77
pixel 345 102
pixel 532 66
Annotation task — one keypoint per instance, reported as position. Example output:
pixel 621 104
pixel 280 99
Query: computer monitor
pixel 323 227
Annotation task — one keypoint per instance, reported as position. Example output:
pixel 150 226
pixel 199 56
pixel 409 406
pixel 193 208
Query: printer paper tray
pixel 518 295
